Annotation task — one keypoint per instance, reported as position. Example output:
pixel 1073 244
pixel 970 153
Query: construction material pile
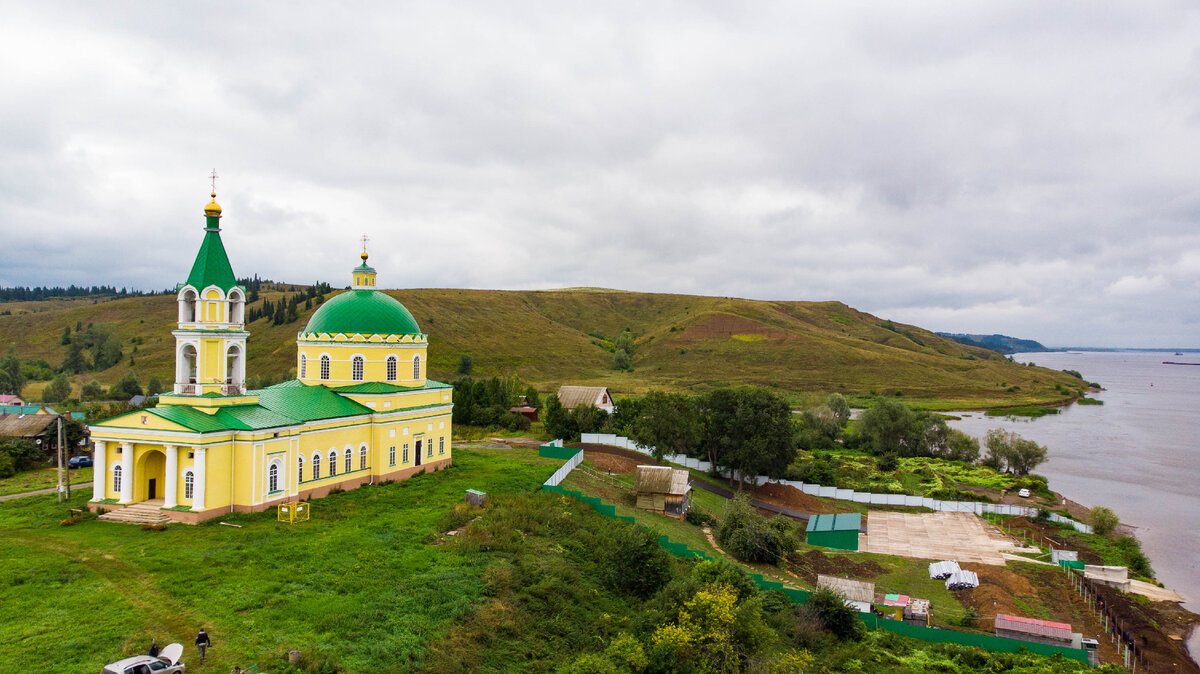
pixel 962 580
pixel 942 570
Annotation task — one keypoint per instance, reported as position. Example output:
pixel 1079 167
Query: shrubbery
pixel 750 537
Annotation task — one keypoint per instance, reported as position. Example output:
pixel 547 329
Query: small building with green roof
pixel 838 531
pixel 361 409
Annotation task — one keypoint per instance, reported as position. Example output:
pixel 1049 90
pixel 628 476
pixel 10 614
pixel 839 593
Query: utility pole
pixel 59 453
pixel 66 455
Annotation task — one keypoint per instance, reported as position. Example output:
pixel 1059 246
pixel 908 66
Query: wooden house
pixel 662 489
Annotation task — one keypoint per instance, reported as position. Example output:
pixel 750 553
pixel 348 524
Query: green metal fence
pixel 930 634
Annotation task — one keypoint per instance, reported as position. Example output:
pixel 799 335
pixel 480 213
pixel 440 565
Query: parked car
pixel 167 662
pixel 1024 493
pixel 79 462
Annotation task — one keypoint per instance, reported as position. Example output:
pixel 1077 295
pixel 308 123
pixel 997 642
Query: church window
pixel 358 368
pixel 429 448
pixel 404 458
pixel 303 366
pixel 332 462
pixel 362 458
pixel 189 484
pixel 273 477
pixel 117 479
pixel 392 455
pixel 416 367
pixel 299 470
pixel 442 445
pixel 325 367
pixel 316 466
pixel 349 459
pixel 391 368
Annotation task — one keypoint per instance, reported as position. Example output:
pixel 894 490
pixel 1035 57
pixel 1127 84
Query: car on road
pixel 1024 493
pixel 79 462
pixel 167 662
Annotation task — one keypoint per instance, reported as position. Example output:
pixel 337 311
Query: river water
pixel 1138 454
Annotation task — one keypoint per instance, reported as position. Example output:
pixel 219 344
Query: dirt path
pixel 38 492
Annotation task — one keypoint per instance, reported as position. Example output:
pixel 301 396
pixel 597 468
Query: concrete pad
pixel 1154 592
pixel 963 537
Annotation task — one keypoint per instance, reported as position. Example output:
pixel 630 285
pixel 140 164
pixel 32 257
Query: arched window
pixel 416 367
pixel 317 466
pixel 391 368
pixel 357 368
pixel 273 477
pixel 303 366
pixel 324 367
pixel 189 484
pixel 362 457
pixel 349 459
pixel 332 462
pixel 299 470
pixel 117 479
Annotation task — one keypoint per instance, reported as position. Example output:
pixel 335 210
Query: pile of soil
pixel 612 463
pixel 814 562
pixel 794 499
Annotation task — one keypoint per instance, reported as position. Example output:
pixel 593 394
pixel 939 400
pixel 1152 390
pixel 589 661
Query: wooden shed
pixel 662 489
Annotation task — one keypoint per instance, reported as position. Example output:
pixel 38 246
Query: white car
pixel 1024 493
pixel 167 662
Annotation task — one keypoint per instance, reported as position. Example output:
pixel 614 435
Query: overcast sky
pixel 1025 168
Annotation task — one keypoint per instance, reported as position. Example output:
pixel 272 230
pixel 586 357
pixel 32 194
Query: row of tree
pixel 30 294
pixel 284 310
pixel 486 402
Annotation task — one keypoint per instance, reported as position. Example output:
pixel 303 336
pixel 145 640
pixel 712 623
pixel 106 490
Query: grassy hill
pixel 565 336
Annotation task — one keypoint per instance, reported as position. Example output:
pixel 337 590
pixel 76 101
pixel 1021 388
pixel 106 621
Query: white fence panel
pixel 913 501
pixel 564 470
pixel 927 502
pixel 861 497
pixel 844 495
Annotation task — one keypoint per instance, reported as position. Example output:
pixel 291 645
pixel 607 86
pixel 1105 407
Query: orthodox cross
pixel 214 177
pixel 364 240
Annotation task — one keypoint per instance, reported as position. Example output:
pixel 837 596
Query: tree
pixel 66 336
pixel 1011 453
pixel 961 447
pixel 668 423
pixel 154 386
pixel 1103 519
pixel 12 379
pixel 531 397
pixel 91 391
pixel 558 420
pixel 465 364
pixel 886 426
pixel 74 362
pixel 625 342
pixel 840 408
pixel 621 360
pixel 637 564
pixel 835 615
pixel 58 390
pixel 127 387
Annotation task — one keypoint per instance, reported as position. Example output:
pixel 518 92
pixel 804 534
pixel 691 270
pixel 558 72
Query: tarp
pixel 941 570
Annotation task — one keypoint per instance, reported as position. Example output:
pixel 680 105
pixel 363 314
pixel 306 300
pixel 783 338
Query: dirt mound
pixel 612 463
pixel 999 591
pixel 794 499
pixel 814 562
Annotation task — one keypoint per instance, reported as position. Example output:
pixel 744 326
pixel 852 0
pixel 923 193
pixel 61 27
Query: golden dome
pixel 213 210
pixel 364 257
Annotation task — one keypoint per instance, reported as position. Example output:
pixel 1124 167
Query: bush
pixel 637 565
pixel 835 615
pixel 515 422
pixel 699 517
pixel 887 463
pixel 1103 519
pixel 751 537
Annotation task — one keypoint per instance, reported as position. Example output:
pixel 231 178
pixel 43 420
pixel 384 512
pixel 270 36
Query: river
pixel 1139 453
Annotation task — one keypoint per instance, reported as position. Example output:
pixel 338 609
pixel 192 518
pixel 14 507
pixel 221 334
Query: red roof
pixel 1044 628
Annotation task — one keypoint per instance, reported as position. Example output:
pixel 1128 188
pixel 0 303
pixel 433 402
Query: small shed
pixel 857 593
pixel 839 531
pixel 10 399
pixel 1032 629
pixel 1113 576
pixel 662 489
pixel 574 396
pixel 526 411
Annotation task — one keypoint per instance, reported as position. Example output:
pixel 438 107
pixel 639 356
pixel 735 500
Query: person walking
pixel 154 648
pixel 202 643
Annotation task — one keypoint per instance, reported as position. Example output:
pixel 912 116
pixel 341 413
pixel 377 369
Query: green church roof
pixel 212 267
pixel 365 312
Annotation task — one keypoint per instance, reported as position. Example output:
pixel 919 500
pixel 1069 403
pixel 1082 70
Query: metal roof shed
pixel 839 531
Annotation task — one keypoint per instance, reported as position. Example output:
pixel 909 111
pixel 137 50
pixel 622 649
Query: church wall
pixel 398 402
pixel 374 366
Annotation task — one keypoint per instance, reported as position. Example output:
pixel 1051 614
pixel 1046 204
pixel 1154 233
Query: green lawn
pixel 359 583
pixel 42 478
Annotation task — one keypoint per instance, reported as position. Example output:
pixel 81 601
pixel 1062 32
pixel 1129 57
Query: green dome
pixel 366 312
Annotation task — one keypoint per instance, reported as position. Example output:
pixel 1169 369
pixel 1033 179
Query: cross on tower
pixel 364 240
pixel 214 177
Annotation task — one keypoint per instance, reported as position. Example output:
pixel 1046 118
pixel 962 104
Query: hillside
pixel 561 336
pixel 1001 343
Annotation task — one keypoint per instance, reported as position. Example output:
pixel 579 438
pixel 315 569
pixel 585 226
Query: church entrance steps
pixel 146 512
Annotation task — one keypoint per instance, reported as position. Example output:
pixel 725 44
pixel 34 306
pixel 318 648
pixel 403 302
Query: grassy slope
pixel 356 583
pixel 684 342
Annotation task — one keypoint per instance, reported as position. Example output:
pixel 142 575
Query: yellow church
pixel 360 411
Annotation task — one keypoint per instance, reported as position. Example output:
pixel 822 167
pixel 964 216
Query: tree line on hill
pixel 284 310
pixel 31 294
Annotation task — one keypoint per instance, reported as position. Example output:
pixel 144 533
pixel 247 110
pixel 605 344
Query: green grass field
pixel 357 584
pixel 684 342
pixel 43 478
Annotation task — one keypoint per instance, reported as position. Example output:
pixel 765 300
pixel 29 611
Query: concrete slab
pixel 963 537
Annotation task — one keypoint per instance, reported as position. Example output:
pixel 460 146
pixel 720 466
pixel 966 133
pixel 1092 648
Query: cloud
pixel 995 167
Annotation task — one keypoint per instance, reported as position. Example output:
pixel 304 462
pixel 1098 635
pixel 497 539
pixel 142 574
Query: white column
pixel 99 470
pixel 198 485
pixel 170 499
pixel 126 472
